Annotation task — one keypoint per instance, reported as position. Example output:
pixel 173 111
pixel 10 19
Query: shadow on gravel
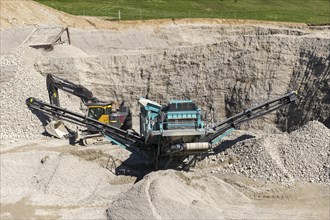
pixel 44 119
pixel 137 164
pixel 229 143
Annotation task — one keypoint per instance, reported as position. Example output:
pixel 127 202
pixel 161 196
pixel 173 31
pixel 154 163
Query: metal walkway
pixel 47 37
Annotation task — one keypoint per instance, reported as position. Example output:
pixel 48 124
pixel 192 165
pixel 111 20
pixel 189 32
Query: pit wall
pixel 232 69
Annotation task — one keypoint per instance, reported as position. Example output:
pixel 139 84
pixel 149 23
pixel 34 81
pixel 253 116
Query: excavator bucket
pixel 57 129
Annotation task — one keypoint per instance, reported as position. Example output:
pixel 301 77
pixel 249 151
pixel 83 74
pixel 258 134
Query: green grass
pixel 305 11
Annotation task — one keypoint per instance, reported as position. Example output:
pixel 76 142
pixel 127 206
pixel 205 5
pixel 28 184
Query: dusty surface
pixel 200 195
pixel 260 172
pixel 47 178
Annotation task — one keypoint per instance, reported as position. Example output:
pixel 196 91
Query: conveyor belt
pixel 249 114
pixel 67 115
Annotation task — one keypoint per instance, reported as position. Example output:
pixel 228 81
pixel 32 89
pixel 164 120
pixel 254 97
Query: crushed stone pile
pixel 172 194
pixel 302 155
pixel 307 155
pixel 51 178
pixel 20 80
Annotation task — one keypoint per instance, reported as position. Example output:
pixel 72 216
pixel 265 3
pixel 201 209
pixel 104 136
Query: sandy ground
pixel 46 178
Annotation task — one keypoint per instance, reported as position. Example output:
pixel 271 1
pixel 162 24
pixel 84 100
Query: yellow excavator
pixel 105 112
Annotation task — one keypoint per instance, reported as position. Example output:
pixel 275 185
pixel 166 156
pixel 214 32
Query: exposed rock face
pixel 228 68
pixel 224 67
pixel 312 79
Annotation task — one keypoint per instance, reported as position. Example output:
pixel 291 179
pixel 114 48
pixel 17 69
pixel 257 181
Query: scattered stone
pixel 17 121
pixel 301 155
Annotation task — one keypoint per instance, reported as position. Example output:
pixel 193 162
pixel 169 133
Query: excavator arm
pixel 54 83
pixel 97 109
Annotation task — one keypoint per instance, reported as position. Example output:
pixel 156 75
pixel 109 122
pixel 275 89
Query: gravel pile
pixel 307 155
pixel 20 80
pixel 301 155
pixel 171 194
pixel 51 178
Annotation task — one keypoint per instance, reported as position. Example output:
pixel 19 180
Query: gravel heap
pixel 172 194
pixel 51 178
pixel 20 80
pixel 302 155
pixel 307 155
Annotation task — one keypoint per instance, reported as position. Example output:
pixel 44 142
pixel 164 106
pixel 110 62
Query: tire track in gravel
pixel 148 195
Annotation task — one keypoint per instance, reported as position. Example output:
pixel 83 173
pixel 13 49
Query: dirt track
pixel 254 173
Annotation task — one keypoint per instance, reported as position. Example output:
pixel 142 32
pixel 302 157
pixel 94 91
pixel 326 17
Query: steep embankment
pixel 225 67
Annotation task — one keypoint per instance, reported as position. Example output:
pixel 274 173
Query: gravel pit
pixel 258 171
